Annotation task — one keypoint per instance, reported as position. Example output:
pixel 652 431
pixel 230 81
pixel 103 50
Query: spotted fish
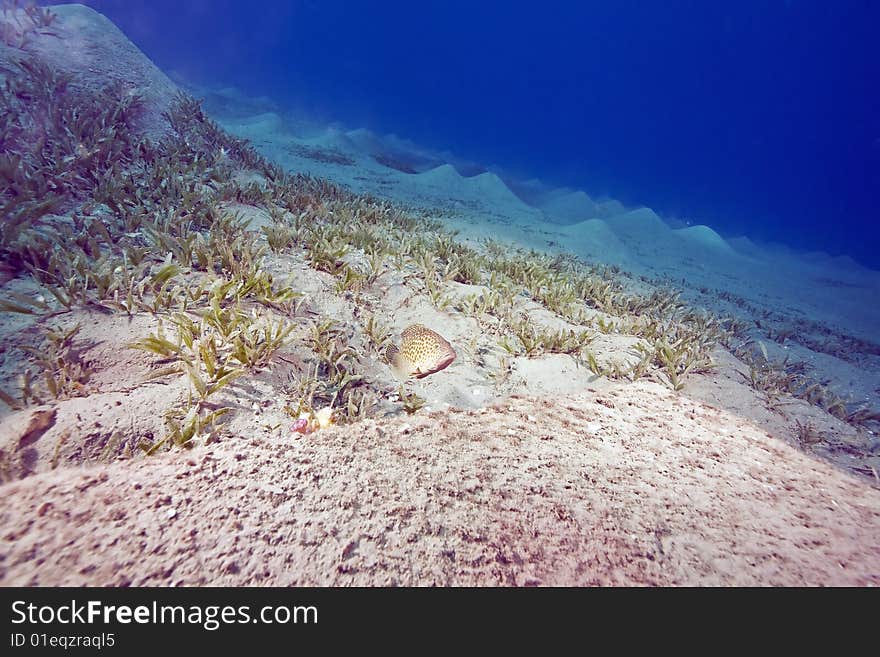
pixel 421 352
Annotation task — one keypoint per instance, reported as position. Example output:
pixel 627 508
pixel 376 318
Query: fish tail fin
pixel 400 366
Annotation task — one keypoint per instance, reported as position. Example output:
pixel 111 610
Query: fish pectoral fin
pixel 400 367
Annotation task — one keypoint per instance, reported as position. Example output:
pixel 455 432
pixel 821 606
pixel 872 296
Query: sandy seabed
pixel 631 486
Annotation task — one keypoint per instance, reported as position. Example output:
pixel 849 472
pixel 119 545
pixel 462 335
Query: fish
pixel 421 352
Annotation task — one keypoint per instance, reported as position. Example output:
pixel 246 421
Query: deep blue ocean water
pixel 758 117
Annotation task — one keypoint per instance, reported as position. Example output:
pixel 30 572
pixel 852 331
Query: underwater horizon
pixel 758 118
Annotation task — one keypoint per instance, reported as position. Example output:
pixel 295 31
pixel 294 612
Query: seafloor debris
pixel 309 421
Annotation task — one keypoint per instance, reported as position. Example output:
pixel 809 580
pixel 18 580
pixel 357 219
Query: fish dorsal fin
pixel 412 330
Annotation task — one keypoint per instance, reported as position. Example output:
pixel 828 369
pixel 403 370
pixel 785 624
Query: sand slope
pixel 83 42
pixel 729 277
pixel 566 207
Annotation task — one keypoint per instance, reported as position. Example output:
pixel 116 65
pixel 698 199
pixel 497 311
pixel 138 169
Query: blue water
pixel 758 117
